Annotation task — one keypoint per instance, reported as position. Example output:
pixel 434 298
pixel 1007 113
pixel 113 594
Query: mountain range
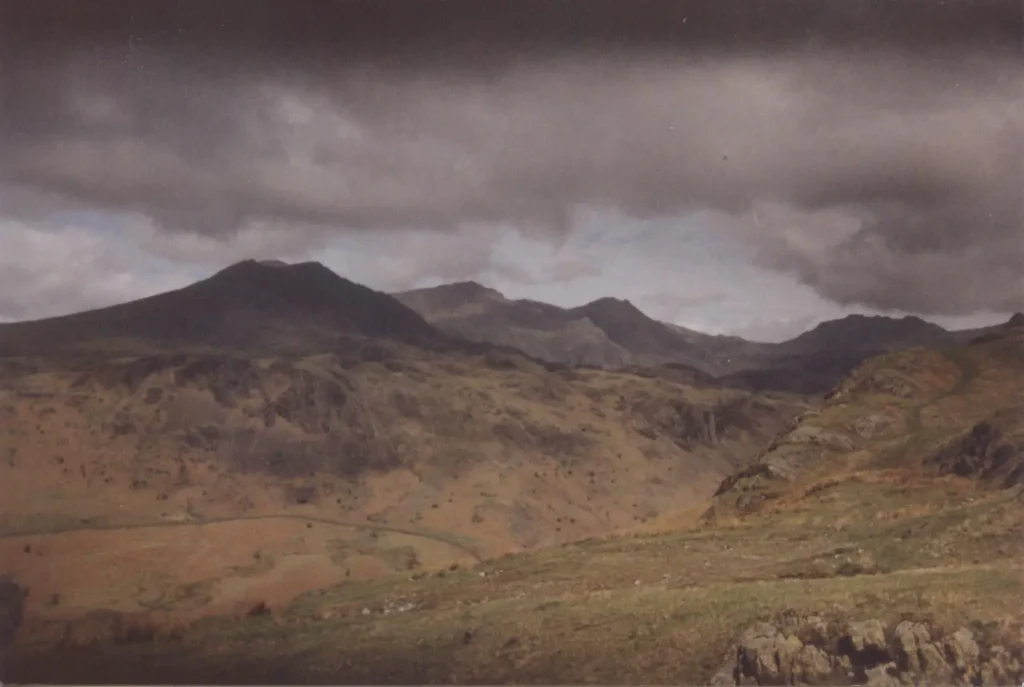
pixel 614 333
pixel 307 430
pixel 276 474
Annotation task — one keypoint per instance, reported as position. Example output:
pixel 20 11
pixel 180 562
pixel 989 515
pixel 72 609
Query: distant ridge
pixel 614 333
pixel 267 305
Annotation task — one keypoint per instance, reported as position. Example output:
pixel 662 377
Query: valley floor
pixel 652 608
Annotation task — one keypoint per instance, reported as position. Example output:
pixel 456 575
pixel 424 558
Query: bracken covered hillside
pixel 878 540
pixel 223 474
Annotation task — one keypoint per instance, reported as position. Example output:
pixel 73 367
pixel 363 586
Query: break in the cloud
pixel 870 151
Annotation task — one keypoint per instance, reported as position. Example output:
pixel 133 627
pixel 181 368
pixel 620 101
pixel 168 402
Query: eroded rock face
pixel 987 452
pixel 908 639
pixel 817 650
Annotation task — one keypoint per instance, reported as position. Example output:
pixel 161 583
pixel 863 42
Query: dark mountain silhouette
pixel 647 338
pixel 607 332
pixel 250 305
pixel 869 333
pixel 610 332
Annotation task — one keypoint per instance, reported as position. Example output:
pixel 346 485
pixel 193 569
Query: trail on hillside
pixel 453 540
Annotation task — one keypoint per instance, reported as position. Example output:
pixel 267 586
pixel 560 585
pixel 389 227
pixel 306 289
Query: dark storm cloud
pixel 439 29
pixel 871 148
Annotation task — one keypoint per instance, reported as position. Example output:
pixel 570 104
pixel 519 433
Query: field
pixel 640 608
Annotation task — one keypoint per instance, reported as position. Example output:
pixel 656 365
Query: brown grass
pixel 639 608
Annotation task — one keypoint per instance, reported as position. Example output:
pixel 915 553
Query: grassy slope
pixel 861 523
pixel 164 469
pixel 658 608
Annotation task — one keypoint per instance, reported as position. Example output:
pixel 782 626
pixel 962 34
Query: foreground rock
pixel 829 649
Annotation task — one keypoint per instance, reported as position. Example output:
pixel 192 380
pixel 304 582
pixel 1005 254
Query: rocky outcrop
pixel 988 452
pixel 828 649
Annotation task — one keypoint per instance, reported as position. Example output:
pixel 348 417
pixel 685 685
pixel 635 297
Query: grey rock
pixel 908 638
pixel 787 652
pixel 962 651
pixel 812 667
pixel 867 635
pixel 933 662
pixel 767 656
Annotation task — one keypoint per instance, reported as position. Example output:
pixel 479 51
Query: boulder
pixel 866 636
pixel 767 656
pixel 962 653
pixel 812 667
pixel 908 638
pixel 933 662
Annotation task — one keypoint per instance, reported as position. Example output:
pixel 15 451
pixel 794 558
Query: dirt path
pixel 452 541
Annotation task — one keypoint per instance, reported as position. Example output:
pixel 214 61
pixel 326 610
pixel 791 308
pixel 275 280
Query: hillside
pixel 957 411
pixel 877 541
pixel 223 474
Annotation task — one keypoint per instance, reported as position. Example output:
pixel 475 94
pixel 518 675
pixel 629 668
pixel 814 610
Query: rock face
pixel 988 451
pixel 826 649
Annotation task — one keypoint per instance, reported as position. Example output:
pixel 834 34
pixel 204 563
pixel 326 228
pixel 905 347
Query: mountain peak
pixel 870 332
pixel 250 304
pixel 611 304
pixel 472 289
pixel 449 298
pixel 1016 320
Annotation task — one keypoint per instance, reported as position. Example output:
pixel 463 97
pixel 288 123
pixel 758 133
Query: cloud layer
pixel 871 150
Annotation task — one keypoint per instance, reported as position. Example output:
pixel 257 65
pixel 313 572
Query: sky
pixel 748 167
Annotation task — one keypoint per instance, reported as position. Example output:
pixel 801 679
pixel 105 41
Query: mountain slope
pixel 250 306
pixel 649 341
pixel 543 331
pixel 957 411
pixel 221 486
pixel 879 540
pixel 221 466
pixel 604 333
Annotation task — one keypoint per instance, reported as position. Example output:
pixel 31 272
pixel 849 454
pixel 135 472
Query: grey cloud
pixel 571 270
pixel 773 330
pixel 671 305
pixel 877 169
pixel 441 31
pixel 51 270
